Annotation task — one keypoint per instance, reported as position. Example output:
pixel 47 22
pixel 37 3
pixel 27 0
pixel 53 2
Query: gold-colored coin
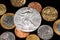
pixel 3 9
pixel 56 27
pixel 49 13
pixel 32 37
pixel 7 21
pixel 21 34
pixel 18 3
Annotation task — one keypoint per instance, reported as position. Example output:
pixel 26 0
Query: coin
pixel 56 27
pixel 45 32
pixel 8 36
pixel 49 13
pixel 21 34
pixel 7 21
pixel 27 19
pixel 35 5
pixel 3 9
pixel 32 37
pixel 18 3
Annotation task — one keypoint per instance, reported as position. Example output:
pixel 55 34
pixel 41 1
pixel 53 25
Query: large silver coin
pixel 45 32
pixel 27 19
pixel 8 36
pixel 1 38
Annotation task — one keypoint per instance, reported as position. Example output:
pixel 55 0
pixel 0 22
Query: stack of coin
pixel 35 5
pixel 27 19
pixel 3 9
pixel 45 32
pixel 18 3
pixel 32 37
pixel 21 34
pixel 7 36
pixel 49 13
pixel 56 27
pixel 7 21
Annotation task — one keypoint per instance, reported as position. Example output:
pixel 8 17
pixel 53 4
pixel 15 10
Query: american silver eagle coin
pixel 27 19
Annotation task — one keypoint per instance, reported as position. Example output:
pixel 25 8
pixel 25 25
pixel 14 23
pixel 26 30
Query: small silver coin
pixel 45 32
pixel 8 36
pixel 27 19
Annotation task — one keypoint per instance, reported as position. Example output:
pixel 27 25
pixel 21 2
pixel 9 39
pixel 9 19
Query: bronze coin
pixel 32 37
pixel 3 9
pixel 7 21
pixel 35 5
pixel 18 3
pixel 21 34
pixel 56 27
pixel 49 13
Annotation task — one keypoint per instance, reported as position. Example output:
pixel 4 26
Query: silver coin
pixel 1 38
pixel 8 36
pixel 45 32
pixel 27 19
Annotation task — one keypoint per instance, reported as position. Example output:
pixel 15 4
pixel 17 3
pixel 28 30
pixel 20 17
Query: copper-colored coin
pixel 49 13
pixel 35 5
pixel 18 3
pixel 56 27
pixel 32 37
pixel 3 9
pixel 21 34
pixel 7 21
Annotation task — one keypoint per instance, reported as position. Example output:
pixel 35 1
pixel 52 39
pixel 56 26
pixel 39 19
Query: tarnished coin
pixel 8 36
pixel 18 3
pixel 35 5
pixel 7 21
pixel 56 27
pixel 21 34
pixel 45 32
pixel 27 19
pixel 32 37
pixel 49 13
pixel 3 9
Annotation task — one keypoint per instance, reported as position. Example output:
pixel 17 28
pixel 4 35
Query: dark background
pixel 44 3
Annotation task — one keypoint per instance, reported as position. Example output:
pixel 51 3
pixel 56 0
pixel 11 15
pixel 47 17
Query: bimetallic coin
pixel 3 9
pixel 32 37
pixel 7 21
pixel 21 34
pixel 49 13
pixel 18 3
pixel 27 19
pixel 35 5
pixel 45 32
pixel 8 36
pixel 56 27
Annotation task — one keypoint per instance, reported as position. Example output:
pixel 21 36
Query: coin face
pixel 21 34
pixel 35 5
pixel 27 19
pixel 3 9
pixel 49 13
pixel 7 21
pixel 56 27
pixel 8 36
pixel 18 3
pixel 32 37
pixel 45 32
